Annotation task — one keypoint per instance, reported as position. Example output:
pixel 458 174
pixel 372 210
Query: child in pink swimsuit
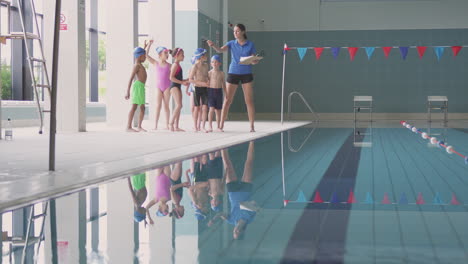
pixel 163 83
pixel 162 193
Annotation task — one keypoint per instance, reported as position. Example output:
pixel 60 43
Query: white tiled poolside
pixel 103 153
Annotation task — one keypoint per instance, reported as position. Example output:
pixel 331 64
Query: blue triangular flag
pixel 439 51
pixel 403 199
pixel 404 52
pixel 302 52
pixel 334 198
pixel 301 197
pixel 369 199
pixel 437 199
pixel 369 51
pixel 335 51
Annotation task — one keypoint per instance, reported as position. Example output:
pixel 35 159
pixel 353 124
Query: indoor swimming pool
pixel 308 195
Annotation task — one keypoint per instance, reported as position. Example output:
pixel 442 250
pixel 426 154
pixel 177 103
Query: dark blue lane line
pixel 320 230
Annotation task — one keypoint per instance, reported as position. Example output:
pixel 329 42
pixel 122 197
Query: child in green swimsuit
pixel 138 89
pixel 137 186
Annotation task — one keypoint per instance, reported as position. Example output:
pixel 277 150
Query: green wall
pixel 398 86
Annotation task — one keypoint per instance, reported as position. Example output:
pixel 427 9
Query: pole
pixel 53 94
pixel 282 87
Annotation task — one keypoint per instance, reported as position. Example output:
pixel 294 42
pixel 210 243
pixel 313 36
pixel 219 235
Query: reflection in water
pixel 319 204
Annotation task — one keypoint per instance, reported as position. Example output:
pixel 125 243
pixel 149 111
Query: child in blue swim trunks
pixel 138 78
pixel 216 89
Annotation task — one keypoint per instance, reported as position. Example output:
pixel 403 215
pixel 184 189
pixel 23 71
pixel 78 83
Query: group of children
pixel 204 85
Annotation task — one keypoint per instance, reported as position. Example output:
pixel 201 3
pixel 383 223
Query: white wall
pixel 308 15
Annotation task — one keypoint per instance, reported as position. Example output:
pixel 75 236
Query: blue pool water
pixel 324 195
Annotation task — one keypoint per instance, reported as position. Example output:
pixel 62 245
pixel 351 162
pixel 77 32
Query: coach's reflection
pixel 242 208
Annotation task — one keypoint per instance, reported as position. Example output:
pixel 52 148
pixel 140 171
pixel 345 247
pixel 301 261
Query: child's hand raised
pixel 210 43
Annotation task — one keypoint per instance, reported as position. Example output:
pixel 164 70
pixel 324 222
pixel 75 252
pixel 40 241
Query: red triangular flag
pixel 421 51
pixel 385 199
pixel 454 200
pixel 285 202
pixel 317 198
pixel 318 53
pixel 351 198
pixel 386 51
pixel 456 50
pixel 420 199
pixel 352 52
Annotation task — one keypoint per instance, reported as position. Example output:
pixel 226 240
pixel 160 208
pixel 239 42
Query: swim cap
pixel 138 217
pixel 160 49
pixel 216 57
pixel 138 51
pixel 159 213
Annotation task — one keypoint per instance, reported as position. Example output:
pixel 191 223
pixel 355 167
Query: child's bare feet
pixel 178 129
pixel 204 130
pixel 140 129
pixel 210 129
pixel 129 129
pixel 252 129
pixel 171 127
pixel 219 130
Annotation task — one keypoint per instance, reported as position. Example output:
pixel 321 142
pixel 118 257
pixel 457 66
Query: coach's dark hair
pixel 242 27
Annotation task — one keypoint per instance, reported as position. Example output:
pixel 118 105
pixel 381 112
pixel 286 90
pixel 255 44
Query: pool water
pixel 309 195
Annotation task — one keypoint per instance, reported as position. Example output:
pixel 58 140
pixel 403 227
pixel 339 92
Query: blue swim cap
pixel 159 213
pixel 216 57
pixel 138 217
pixel 199 52
pixel 160 49
pixel 138 51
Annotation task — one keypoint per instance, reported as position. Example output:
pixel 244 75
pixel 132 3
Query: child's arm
pixel 150 59
pixel 148 206
pixel 134 72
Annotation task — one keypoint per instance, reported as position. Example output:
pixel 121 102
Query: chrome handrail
pixel 303 142
pixel 303 100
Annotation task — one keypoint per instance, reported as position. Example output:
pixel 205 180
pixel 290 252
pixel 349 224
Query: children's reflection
pixel 198 191
pixel 243 208
pixel 137 185
pixel 168 186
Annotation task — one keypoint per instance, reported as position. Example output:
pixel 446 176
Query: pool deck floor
pixel 102 154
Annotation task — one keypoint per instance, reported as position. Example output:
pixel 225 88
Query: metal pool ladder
pixel 304 101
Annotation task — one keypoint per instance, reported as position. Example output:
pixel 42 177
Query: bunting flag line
pixel 421 51
pixel 352 52
pixel 404 52
pixel 302 52
pixel 456 50
pixel 369 52
pixel 439 51
pixel 318 53
pixel 386 51
pixel 335 51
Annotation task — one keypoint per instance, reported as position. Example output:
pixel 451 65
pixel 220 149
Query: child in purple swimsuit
pixel 163 83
